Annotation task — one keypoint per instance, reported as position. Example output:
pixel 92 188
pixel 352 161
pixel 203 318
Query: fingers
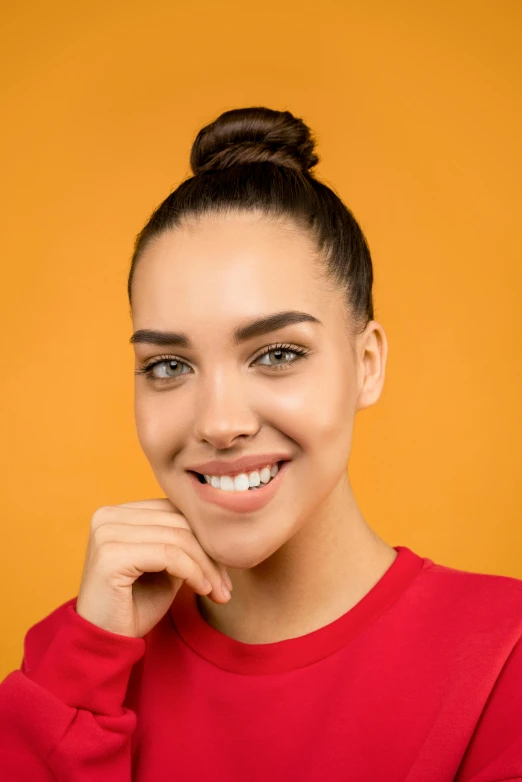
pixel 158 503
pixel 135 513
pixel 123 564
pixel 165 505
pixel 140 525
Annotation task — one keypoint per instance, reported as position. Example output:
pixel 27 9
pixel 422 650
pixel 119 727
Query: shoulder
pixel 478 602
pixel 466 582
pixel 495 748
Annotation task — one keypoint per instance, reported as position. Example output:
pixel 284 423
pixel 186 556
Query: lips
pixel 236 501
pixel 244 464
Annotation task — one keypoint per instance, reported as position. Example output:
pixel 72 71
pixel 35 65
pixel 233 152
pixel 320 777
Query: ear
pixel 371 353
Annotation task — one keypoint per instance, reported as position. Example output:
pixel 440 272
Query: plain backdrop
pixel 416 108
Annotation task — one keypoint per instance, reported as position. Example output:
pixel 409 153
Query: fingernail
pixel 225 591
pixel 229 582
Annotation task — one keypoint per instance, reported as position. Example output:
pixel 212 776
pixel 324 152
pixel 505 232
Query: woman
pixel 338 656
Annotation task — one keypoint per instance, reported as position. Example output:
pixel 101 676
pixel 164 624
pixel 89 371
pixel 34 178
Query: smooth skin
pixel 307 557
pixel 138 556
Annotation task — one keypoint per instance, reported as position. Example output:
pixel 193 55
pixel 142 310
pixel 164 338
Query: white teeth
pixel 243 481
pixel 253 478
pixel 265 475
pixel 227 483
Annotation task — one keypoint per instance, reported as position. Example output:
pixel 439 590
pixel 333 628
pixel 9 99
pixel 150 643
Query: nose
pixel 224 412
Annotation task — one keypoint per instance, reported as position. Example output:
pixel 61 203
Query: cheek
pixel 156 427
pixel 316 411
pixel 313 409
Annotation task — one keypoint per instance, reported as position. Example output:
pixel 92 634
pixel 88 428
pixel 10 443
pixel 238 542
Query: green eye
pixel 281 353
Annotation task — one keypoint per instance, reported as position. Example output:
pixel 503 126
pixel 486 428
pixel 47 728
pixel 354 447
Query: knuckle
pixel 171 552
pixel 177 559
pixel 100 515
pixel 96 538
pixel 103 533
pixel 182 532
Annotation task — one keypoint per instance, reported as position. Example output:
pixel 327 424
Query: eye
pixel 281 353
pixel 173 364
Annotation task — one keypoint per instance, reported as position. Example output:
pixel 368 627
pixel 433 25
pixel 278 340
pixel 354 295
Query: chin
pixel 244 551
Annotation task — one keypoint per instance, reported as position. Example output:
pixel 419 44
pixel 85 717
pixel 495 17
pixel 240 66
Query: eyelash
pixel 147 368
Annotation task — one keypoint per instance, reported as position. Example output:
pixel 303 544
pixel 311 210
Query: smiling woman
pixel 339 656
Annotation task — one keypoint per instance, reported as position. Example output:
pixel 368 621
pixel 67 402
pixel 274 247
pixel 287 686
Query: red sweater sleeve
pixel 495 751
pixel 62 715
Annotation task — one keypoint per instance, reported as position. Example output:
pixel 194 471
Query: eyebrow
pixel 255 328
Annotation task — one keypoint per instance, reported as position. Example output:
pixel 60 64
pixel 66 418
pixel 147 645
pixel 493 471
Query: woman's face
pixel 216 398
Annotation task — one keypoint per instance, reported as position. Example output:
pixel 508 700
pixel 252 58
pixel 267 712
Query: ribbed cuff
pixel 87 667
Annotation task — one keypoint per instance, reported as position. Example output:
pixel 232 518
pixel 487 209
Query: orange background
pixel 416 108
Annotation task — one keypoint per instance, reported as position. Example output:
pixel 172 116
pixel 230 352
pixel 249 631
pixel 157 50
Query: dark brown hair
pixel 259 159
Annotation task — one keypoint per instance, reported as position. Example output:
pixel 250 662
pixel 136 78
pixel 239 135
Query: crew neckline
pixel 292 653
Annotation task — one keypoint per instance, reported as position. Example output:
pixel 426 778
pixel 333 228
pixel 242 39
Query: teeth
pixel 240 482
pixel 227 483
pixel 265 475
pixel 253 478
pixel 243 482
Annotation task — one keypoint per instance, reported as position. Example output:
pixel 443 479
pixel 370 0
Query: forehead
pixel 227 267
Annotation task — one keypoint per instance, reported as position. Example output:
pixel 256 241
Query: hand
pixel 138 556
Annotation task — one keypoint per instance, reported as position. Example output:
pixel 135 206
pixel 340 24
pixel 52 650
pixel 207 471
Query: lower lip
pixel 240 502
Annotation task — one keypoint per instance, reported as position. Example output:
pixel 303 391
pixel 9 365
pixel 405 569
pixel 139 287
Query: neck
pixel 316 577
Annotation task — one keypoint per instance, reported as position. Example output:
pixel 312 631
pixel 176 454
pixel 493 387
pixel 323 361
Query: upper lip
pixel 236 466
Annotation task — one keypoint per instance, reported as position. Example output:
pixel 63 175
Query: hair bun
pixel 253 135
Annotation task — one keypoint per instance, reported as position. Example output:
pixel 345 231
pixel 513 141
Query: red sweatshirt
pixel 420 681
